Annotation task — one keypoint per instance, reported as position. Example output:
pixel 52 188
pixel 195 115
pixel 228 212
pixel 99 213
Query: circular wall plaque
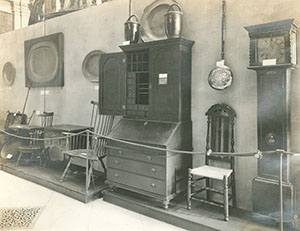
pixel 8 73
pixel 43 62
pixel 90 66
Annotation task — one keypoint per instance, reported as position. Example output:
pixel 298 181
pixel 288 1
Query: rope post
pixel 281 194
pixel 87 162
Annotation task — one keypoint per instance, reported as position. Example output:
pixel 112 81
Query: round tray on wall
pixel 90 66
pixel 8 73
pixel 152 21
pixel 220 78
pixel 43 62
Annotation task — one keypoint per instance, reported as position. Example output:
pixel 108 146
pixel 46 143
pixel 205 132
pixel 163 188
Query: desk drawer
pixel 133 166
pixel 137 155
pixel 137 181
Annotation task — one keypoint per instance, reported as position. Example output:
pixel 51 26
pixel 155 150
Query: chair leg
pixel 225 198
pixel 46 156
pixel 207 184
pixel 19 158
pixel 66 170
pixel 40 154
pixel 90 174
pixel 233 190
pixel 189 190
pixel 102 164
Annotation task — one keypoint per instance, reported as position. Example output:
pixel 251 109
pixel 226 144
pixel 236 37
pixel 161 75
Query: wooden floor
pixel 200 217
pixel 73 186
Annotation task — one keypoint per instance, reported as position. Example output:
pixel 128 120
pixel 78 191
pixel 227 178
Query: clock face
pixel 271 48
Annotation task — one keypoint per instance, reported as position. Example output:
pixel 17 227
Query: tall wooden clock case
pixel 273 57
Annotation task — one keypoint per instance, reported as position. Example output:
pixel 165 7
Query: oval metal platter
pixel 8 73
pixel 152 20
pixel 90 66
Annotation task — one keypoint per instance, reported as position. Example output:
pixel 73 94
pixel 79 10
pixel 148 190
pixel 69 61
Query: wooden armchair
pixel 46 119
pixel 220 138
pixel 101 126
pixel 35 150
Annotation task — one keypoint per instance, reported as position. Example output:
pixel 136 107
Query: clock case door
pixel 273 110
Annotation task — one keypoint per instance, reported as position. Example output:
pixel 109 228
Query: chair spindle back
pixel 220 130
pixel 102 125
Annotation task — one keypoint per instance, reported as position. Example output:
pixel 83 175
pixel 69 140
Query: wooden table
pixel 24 127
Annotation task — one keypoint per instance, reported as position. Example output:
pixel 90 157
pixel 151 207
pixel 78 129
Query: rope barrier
pixel 42 139
pixel 258 154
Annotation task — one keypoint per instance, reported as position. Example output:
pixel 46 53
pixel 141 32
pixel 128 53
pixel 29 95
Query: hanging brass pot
pixel 132 30
pixel 173 21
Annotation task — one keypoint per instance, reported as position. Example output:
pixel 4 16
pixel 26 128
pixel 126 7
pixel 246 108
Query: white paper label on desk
pixel 163 79
pixel 9 156
pixel 96 87
pixel 269 62
pixel 126 43
pixel 46 92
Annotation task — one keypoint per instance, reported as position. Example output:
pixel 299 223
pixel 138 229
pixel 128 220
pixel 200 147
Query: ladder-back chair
pixel 46 119
pixel 35 150
pixel 220 138
pixel 101 125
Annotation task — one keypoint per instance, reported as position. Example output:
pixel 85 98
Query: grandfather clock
pixel 273 57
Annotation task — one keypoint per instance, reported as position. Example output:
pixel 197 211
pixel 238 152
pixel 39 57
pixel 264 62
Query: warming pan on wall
pixel 8 73
pixel 44 61
pixel 152 21
pixel 90 66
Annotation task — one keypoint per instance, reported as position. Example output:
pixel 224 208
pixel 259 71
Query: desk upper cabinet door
pixel 171 80
pixel 159 80
pixel 112 83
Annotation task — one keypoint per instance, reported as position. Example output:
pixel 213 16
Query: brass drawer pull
pixel 149 157
pixel 153 185
pixel 116 175
pixel 116 162
pixel 120 152
pixel 153 170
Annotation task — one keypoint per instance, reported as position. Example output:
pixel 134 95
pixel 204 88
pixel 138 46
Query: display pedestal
pixel 266 199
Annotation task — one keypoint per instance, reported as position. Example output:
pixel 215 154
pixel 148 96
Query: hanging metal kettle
pixel 132 29
pixel 173 22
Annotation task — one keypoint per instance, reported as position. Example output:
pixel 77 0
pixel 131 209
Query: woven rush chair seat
pixel 211 172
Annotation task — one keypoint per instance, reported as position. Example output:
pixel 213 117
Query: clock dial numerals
pixel 271 48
